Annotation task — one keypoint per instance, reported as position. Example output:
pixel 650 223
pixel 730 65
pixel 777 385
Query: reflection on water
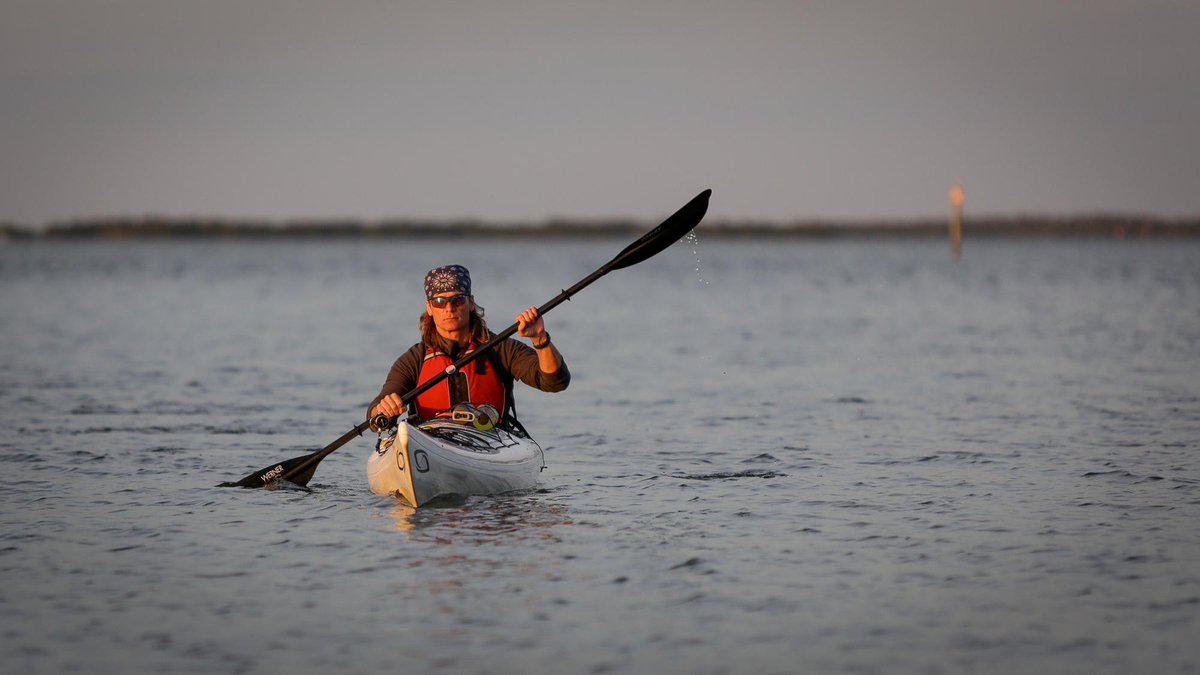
pixel 473 521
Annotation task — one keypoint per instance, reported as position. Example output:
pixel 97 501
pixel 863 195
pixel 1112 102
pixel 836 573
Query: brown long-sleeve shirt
pixel 515 361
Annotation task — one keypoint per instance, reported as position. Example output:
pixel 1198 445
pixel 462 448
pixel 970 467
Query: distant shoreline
pixel 1107 226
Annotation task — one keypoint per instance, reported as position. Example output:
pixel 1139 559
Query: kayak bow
pixel 441 457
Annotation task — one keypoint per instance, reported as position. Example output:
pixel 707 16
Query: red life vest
pixel 482 387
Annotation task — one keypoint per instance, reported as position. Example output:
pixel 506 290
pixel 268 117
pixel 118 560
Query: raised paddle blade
pixel 668 232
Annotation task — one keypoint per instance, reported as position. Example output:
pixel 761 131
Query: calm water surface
pixel 845 457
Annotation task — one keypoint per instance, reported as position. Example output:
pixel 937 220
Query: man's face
pixel 454 314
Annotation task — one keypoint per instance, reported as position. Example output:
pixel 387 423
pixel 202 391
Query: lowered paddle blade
pixel 270 474
pixel 668 232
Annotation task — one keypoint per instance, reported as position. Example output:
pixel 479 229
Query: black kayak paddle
pixel 299 470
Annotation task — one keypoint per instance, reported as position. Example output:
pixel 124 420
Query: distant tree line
pixel 1102 225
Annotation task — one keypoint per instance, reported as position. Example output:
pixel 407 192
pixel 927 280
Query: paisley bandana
pixel 453 278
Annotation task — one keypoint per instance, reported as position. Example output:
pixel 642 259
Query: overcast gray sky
pixel 529 109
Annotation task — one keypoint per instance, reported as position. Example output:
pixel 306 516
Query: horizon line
pixel 160 227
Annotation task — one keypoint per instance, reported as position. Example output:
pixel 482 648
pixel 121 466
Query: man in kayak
pixel 452 325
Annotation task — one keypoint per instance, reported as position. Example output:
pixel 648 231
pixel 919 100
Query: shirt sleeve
pixel 522 362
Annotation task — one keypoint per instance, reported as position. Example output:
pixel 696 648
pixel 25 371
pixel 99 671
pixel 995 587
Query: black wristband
pixel 545 343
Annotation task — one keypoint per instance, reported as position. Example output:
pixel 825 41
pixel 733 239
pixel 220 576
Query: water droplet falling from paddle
pixel 695 242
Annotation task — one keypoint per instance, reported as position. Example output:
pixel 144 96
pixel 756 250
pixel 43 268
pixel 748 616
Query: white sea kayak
pixel 442 457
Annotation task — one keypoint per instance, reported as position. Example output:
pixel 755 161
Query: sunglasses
pixel 452 301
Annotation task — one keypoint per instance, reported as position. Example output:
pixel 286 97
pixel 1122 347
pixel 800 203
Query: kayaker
pixel 452 324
